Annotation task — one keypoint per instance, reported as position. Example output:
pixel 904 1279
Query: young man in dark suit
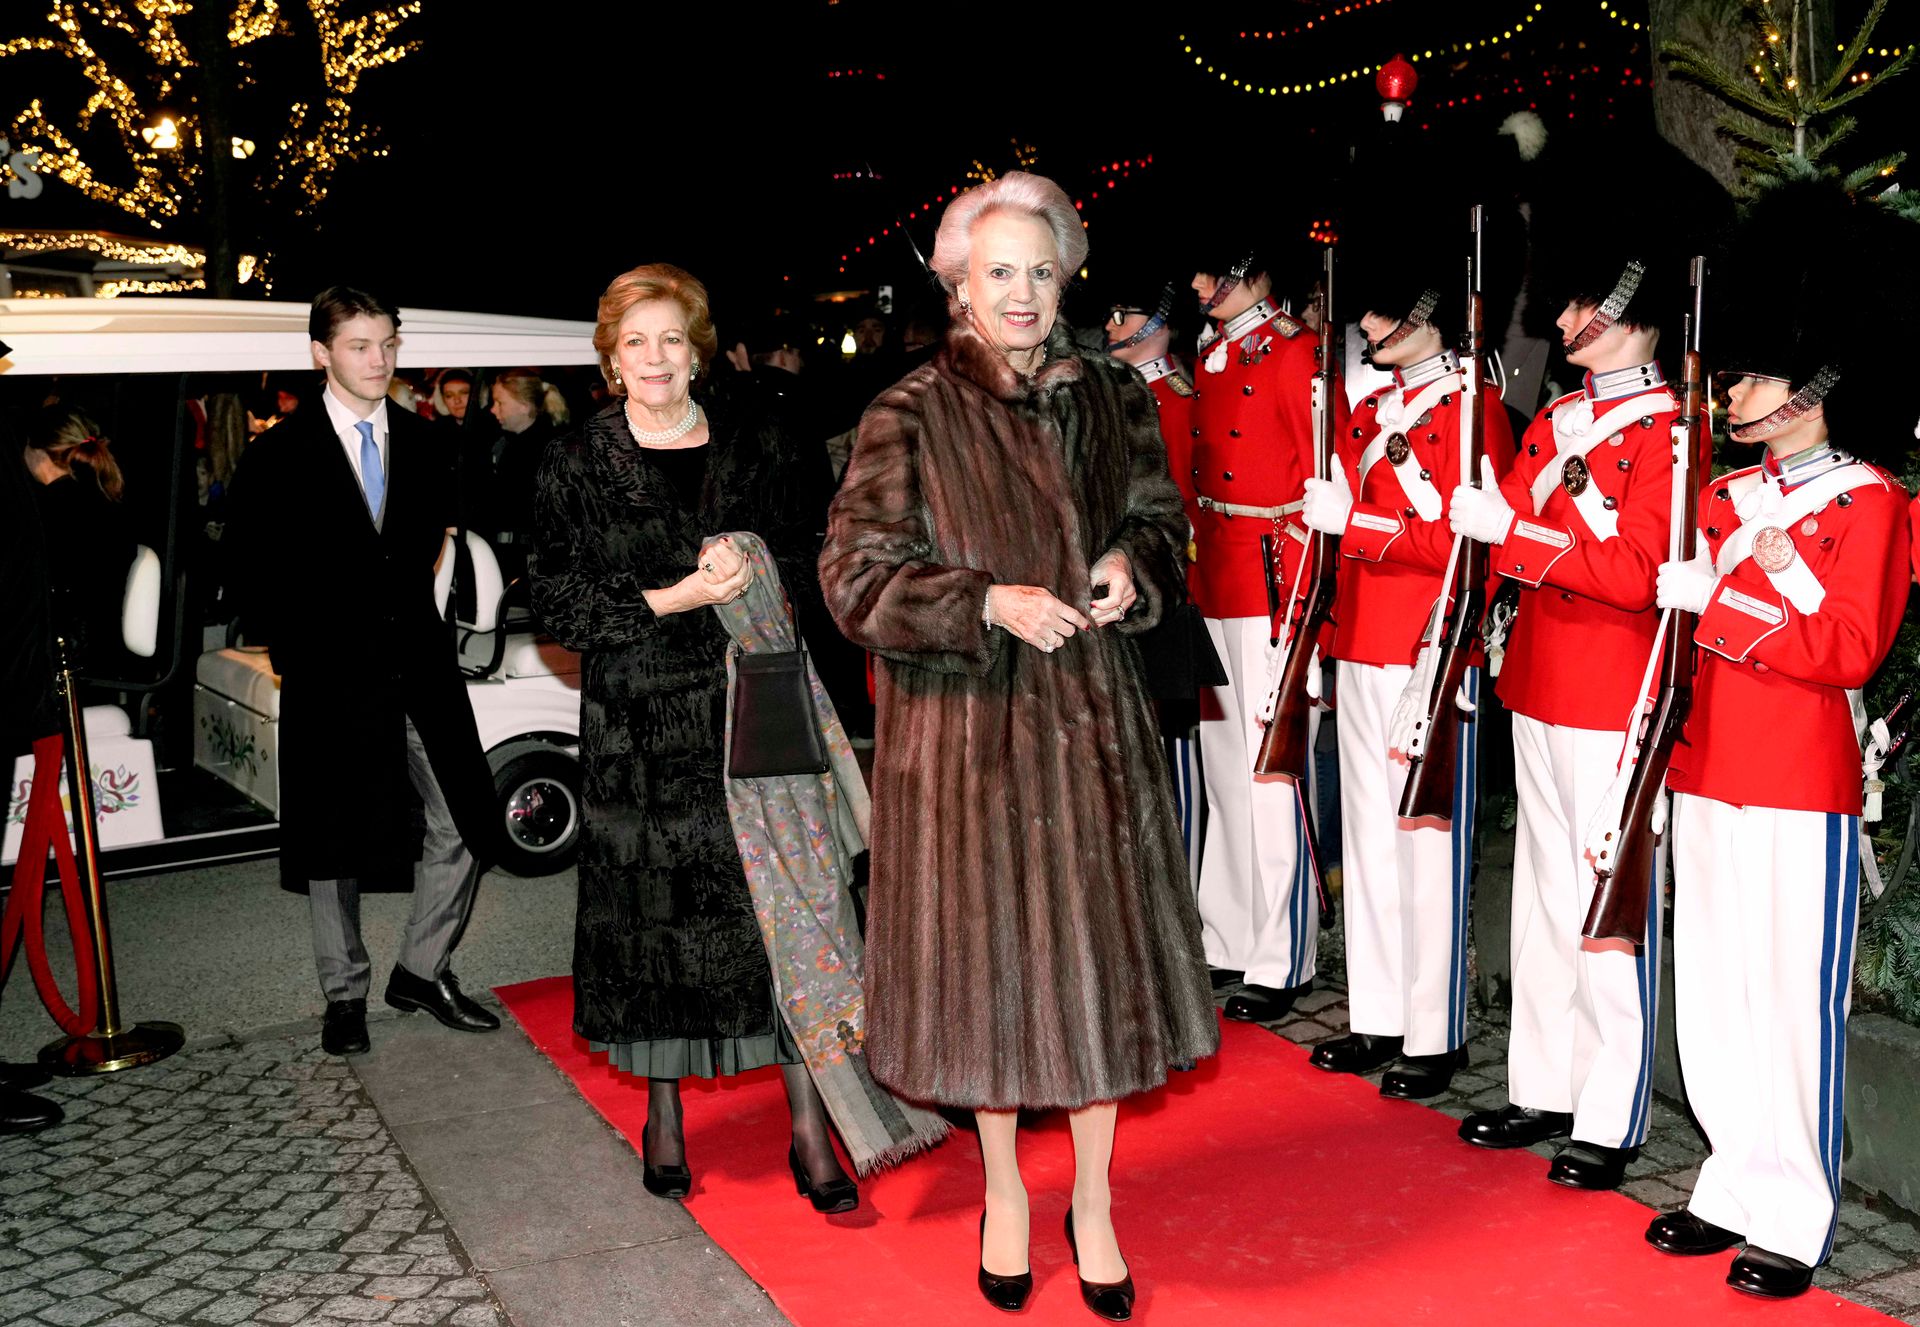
pixel 339 514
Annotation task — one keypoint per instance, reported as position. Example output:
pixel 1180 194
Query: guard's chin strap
pixel 1234 277
pixel 1791 409
pixel 1611 307
pixel 1152 325
pixel 1419 316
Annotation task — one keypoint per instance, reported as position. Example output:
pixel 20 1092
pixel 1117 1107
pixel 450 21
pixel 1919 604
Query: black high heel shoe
pixel 664 1181
pixel 1006 1293
pixel 841 1195
pixel 1112 1300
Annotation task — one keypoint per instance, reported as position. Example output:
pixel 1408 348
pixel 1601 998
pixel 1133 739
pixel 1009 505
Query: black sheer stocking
pixel 664 1137
pixel 812 1132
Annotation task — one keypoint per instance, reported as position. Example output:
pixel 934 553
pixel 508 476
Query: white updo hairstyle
pixel 1017 191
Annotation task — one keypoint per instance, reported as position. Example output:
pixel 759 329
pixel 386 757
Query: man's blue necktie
pixel 373 480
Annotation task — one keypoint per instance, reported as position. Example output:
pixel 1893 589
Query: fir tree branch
pixel 1855 49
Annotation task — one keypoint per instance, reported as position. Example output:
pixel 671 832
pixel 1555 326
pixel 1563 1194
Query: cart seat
pixel 245 677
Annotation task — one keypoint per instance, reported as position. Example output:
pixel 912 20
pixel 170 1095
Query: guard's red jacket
pixel 1770 724
pixel 1252 432
pixel 1173 393
pixel 1586 620
pixel 1393 557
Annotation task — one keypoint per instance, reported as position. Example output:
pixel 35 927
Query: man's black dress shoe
pixel 22 1113
pixel 343 1031
pixel 1687 1236
pixel 1112 1300
pixel 1769 1275
pixel 23 1077
pixel 1006 1293
pixel 442 998
pixel 1263 1004
pixel 839 1195
pixel 1418 1077
pixel 1225 977
pixel 1591 1166
pixel 1355 1053
pixel 1514 1126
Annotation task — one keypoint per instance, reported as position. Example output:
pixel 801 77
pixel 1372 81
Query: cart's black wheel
pixel 537 795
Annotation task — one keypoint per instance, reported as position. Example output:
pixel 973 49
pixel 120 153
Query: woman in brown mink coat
pixel 1005 525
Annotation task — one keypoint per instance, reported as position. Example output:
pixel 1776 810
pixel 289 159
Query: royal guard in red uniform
pixel 1176 658
pixel 1799 585
pixel 1252 431
pixel 1580 524
pixel 1406 883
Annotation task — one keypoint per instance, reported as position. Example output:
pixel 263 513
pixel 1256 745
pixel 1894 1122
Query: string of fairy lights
pixel 1325 17
pixel 1106 179
pixel 1335 78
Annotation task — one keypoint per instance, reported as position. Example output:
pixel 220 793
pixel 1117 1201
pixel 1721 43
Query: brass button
pixel 1845 499
pixel 1611 503
pixel 1623 464
pixel 1247 390
pixel 1719 640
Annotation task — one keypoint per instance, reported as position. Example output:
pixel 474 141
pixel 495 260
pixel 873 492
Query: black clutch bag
pixel 774 728
pixel 1177 657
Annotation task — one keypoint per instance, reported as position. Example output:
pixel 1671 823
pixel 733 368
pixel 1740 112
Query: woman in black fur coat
pixel 1005 525
pixel 669 969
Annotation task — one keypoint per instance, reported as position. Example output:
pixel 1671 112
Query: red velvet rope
pixel 46 827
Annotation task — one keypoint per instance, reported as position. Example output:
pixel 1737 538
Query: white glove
pixel 1481 513
pixel 1328 503
pixel 1686 586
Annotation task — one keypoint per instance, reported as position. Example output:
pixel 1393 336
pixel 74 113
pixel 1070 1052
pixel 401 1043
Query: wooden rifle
pixel 1625 858
pixel 1284 749
pixel 1434 750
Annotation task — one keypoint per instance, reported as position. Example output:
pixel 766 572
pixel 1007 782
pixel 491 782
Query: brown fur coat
pixel 1032 935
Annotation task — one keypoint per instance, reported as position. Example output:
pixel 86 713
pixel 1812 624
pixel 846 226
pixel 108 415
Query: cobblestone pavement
pixel 1876 1258
pixel 249 1182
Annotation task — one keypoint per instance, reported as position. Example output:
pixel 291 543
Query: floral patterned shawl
pixel 798 835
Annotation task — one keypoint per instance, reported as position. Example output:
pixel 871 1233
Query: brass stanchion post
pixel 110 1046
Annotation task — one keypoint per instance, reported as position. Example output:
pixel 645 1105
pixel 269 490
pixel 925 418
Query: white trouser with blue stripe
pixel 1405 886
pixel 1259 910
pixel 1583 1017
pixel 1189 796
pixel 1764 914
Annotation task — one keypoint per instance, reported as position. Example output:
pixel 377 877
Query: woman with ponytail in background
pixel 89 546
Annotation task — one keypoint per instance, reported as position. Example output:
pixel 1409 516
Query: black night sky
pixel 535 152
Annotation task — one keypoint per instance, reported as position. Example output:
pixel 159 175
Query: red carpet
pixel 1256 1190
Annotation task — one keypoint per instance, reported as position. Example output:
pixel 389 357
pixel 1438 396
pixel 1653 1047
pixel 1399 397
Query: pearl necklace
pixel 659 437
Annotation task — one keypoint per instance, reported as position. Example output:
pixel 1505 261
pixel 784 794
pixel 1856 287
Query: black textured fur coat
pixel 1032 935
pixel 665 940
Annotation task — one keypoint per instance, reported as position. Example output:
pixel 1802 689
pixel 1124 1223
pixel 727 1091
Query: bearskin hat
pixel 1816 289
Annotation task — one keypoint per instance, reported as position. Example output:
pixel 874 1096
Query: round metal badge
pixel 1575 476
pixel 1773 550
pixel 1398 449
